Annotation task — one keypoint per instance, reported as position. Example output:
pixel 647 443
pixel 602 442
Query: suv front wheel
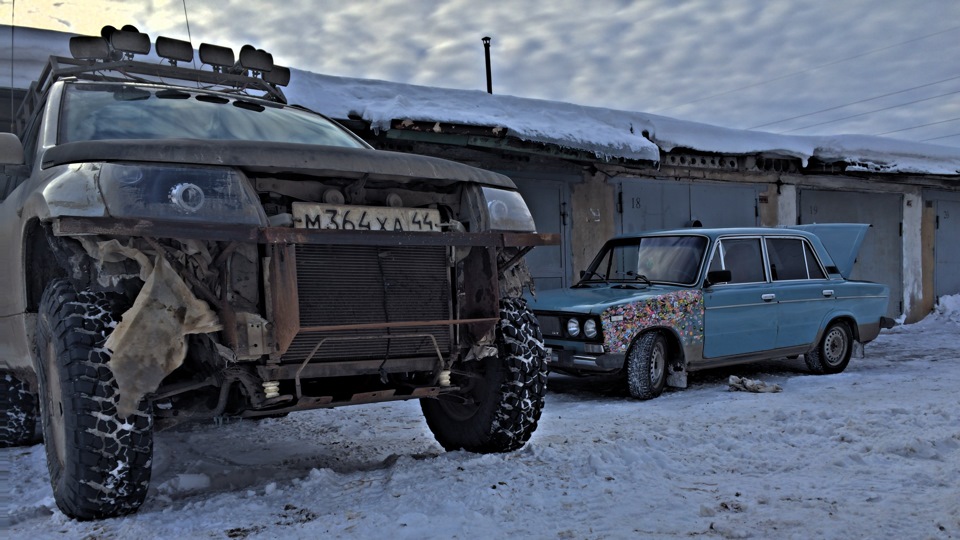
pixel 502 396
pixel 99 463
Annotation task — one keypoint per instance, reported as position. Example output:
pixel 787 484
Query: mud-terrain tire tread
pixel 640 383
pixel 515 385
pixel 816 359
pixel 105 469
pixel 18 411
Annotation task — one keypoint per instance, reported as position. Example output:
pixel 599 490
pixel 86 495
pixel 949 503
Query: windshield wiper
pixel 588 273
pixel 639 277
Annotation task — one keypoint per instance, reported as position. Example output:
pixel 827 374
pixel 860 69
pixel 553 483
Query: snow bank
pixel 948 308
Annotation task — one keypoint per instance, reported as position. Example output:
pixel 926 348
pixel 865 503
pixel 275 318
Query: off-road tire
pixel 503 395
pixel 99 463
pixel 647 362
pixel 18 411
pixel 833 352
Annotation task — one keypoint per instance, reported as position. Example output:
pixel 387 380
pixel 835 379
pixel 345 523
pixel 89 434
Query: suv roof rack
pixel 110 57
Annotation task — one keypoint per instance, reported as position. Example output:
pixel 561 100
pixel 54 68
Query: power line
pixel 854 103
pixel 870 112
pixel 941 137
pixel 788 75
pixel 920 126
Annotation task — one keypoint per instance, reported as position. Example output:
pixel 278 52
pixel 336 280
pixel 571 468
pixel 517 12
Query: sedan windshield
pixel 664 259
pixel 93 112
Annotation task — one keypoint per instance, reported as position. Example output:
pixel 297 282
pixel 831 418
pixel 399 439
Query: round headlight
pixel 187 197
pixel 590 328
pixel 573 328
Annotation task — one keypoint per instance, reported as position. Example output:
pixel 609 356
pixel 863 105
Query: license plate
pixel 365 218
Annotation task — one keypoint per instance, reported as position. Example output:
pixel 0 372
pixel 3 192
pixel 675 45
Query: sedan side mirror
pixel 718 276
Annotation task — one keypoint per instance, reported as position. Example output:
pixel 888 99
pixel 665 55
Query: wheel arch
pixel 40 263
pixel 675 350
pixel 846 318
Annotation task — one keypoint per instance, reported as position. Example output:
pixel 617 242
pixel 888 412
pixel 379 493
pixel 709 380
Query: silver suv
pixel 183 245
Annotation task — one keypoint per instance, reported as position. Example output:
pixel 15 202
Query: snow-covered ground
pixel 873 452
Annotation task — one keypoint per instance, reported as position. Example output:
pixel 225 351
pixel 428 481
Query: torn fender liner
pixel 149 343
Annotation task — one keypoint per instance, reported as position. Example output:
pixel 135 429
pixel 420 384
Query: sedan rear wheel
pixel 833 352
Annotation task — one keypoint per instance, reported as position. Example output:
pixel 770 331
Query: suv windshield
pixel 93 112
pixel 665 259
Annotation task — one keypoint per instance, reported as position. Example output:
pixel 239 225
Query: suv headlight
pixel 199 194
pixel 507 211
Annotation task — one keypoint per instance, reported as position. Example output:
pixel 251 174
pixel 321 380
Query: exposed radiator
pixel 346 285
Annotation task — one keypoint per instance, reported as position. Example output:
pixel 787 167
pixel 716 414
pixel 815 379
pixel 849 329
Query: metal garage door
pixel 549 203
pixel 881 256
pixel 946 276
pixel 647 205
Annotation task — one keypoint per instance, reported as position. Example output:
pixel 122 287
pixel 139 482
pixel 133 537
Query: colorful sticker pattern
pixel 680 310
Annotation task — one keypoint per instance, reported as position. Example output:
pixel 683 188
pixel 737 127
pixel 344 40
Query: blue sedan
pixel 657 306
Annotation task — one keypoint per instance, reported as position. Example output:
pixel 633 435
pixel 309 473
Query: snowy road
pixel 873 452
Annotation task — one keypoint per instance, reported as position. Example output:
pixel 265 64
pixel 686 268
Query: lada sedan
pixel 656 306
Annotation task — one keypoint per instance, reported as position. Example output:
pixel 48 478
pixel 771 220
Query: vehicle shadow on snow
pixel 614 385
pixel 195 460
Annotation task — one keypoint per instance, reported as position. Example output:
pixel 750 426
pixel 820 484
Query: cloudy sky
pixel 875 67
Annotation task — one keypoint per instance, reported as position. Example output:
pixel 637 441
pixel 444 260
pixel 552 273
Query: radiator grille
pixel 550 325
pixel 339 285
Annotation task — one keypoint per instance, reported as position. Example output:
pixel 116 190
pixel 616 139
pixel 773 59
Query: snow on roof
pixel 608 133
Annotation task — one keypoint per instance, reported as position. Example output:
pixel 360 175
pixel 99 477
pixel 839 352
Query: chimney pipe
pixel 486 53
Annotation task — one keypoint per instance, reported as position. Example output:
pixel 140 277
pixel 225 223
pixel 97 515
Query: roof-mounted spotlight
pixel 175 50
pixel 216 56
pixel 89 48
pixel 255 59
pixel 279 76
pixel 130 41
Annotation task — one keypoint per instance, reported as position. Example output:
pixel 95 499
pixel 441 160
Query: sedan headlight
pixel 199 194
pixel 507 211
pixel 590 329
pixel 573 328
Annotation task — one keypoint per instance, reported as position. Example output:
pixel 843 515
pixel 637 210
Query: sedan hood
pixel 594 300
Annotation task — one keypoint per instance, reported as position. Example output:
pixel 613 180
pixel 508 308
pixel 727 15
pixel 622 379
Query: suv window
pixel 742 257
pixel 94 112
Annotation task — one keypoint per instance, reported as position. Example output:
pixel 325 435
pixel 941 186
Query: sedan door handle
pixel 828 292
pixel 768 297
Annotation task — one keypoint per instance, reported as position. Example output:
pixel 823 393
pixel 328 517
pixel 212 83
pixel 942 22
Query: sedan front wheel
pixel 647 366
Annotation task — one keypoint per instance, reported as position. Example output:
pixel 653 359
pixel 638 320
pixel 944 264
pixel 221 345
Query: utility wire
pixel 854 103
pixel 870 112
pixel 920 126
pixel 941 137
pixel 807 70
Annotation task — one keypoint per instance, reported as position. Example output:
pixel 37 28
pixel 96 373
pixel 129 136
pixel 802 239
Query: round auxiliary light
pixel 590 328
pixel 187 197
pixel 573 328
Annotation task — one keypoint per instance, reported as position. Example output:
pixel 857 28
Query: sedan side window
pixel 791 258
pixel 743 257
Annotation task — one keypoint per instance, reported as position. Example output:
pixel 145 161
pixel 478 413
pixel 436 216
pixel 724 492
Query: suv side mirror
pixel 11 149
pixel 718 276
